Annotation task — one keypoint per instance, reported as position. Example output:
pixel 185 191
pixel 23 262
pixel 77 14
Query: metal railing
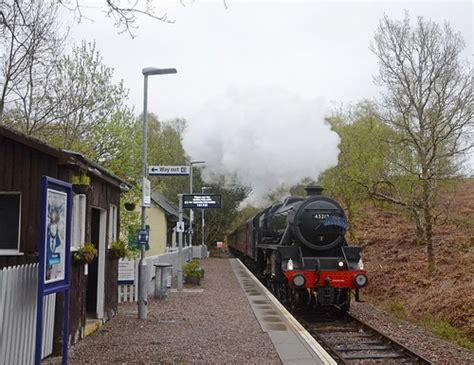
pixel 128 292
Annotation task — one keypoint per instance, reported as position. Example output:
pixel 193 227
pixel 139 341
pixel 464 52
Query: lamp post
pixel 191 217
pixel 142 267
pixel 202 216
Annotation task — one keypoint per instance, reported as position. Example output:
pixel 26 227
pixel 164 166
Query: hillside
pixel 398 277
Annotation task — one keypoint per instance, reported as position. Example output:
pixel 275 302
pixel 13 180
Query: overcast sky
pixel 313 51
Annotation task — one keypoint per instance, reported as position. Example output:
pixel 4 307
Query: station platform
pixel 292 342
pixel 230 318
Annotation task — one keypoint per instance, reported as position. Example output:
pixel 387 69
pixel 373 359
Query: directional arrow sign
pixel 168 170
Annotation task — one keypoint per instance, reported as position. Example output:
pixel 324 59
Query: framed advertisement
pixel 54 254
pixel 55 238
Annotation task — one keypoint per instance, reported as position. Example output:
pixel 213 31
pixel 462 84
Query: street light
pixel 202 215
pixel 191 217
pixel 142 270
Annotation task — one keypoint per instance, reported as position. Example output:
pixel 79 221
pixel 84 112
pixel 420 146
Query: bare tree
pixel 30 48
pixel 428 104
pixel 123 13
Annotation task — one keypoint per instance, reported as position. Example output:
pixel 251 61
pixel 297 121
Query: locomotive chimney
pixel 314 190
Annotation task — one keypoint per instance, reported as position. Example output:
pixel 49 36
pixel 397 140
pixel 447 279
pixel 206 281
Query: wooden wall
pixel 21 169
pixel 111 288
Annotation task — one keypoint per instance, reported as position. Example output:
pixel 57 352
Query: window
pixel 112 224
pixel 78 221
pixel 10 222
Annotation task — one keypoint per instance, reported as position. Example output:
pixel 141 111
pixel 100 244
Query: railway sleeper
pixel 366 356
pixel 335 329
pixel 356 347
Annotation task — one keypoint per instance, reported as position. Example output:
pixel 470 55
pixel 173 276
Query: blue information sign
pixel 54 253
pixel 143 236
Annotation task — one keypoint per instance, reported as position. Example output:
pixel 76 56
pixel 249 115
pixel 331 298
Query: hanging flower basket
pixel 81 188
pixel 130 206
pixel 116 254
pixel 85 255
pixel 118 249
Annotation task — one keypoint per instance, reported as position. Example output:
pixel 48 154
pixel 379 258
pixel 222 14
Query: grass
pixel 443 329
pixel 440 327
pixel 397 309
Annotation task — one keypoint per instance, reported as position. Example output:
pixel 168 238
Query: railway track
pixel 351 341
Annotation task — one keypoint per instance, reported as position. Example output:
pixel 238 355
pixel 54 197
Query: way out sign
pixel 201 201
pixel 168 170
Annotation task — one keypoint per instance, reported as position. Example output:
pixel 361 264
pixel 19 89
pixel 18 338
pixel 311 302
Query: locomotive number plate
pixel 321 216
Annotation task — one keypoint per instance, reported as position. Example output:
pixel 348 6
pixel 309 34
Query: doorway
pixel 96 269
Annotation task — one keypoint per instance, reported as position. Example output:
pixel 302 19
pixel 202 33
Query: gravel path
pixel 216 326
pixel 417 339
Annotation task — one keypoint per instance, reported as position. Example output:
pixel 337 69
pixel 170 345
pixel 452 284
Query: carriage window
pixel 10 208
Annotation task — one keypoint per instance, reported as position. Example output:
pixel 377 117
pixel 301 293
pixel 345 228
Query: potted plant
pixel 85 254
pixel 81 183
pixel 193 272
pixel 118 249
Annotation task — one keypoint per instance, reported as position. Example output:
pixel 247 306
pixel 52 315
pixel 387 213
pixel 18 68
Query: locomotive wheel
pixel 344 300
pixel 283 292
pixel 298 299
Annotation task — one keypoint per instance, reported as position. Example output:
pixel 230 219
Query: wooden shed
pixel 23 161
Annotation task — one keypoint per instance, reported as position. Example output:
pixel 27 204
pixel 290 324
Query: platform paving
pixel 292 342
pixel 222 323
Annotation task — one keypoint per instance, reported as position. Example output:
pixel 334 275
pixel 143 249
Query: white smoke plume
pixel 267 138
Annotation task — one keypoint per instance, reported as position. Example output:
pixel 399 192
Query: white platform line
pixel 297 327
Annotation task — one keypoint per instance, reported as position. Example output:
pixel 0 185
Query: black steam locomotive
pixel 298 248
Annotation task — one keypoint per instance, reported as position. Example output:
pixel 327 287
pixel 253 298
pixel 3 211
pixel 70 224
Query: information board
pixel 126 271
pixel 201 201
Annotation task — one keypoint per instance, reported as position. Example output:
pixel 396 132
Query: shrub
pixel 193 269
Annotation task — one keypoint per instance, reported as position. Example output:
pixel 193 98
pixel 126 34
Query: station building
pixel 95 218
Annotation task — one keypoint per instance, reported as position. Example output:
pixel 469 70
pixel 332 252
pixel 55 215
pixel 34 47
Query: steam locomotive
pixel 298 249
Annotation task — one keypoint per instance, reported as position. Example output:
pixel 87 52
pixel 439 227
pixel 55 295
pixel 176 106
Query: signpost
pixel 168 170
pixel 180 242
pixel 190 201
pixel 201 201
pixel 54 254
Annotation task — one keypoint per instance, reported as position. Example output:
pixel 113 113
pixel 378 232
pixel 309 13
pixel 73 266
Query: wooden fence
pixel 18 292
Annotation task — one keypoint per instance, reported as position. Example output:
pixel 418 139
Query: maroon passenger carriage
pixel 298 248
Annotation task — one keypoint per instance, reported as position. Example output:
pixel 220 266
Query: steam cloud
pixel 267 138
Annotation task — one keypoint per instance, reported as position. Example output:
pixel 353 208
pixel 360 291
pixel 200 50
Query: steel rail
pixel 352 341
pixel 379 348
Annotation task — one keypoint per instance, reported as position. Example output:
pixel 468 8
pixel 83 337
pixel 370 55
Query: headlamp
pixel 299 280
pixel 360 280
